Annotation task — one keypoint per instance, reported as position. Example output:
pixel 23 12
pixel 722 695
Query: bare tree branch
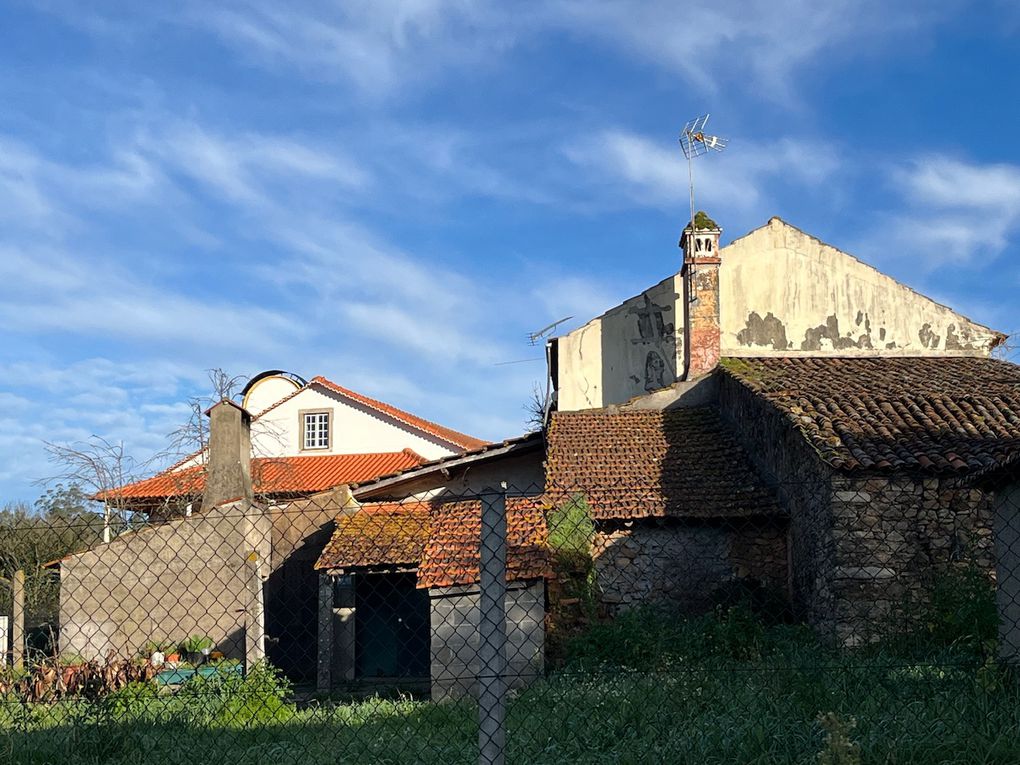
pixel 535 407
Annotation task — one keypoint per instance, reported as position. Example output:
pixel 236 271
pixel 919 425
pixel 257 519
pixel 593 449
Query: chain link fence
pixel 873 620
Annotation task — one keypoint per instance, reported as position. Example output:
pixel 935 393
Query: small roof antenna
pixel 534 338
pixel 695 142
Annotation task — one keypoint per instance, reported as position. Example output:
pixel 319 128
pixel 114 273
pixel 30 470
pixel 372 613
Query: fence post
pixel 18 621
pixel 255 626
pixel 4 634
pixel 492 630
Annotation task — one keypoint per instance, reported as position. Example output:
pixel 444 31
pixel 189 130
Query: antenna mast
pixel 695 142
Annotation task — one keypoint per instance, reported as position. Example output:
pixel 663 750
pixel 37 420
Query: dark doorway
pixel 392 627
pixel 291 618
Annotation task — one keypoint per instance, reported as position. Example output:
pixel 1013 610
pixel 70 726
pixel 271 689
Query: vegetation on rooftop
pixel 703 222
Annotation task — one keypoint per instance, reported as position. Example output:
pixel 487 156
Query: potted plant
pixel 197 648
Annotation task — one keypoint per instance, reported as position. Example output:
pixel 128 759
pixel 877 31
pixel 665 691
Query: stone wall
pixel 455 637
pixel 860 547
pixel 804 486
pixel 164 582
pixel 1007 554
pixel 685 564
pixel 892 535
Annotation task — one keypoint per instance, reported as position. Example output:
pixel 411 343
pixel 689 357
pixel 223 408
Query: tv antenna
pixel 695 142
pixel 534 338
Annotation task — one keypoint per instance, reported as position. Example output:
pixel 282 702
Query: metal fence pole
pixel 18 621
pixel 492 631
pixel 4 633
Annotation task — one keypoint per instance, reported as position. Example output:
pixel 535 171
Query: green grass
pixel 904 714
pixel 648 688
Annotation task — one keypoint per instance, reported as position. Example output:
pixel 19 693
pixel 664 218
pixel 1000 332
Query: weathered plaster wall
pixel 781 291
pixel 685 563
pixel 455 638
pixel 630 350
pixel 354 429
pixel 181 578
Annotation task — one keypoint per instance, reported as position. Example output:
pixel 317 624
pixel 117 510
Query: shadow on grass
pixel 906 714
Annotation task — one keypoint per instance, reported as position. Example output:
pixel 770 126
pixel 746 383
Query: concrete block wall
pixel 165 582
pixel 455 635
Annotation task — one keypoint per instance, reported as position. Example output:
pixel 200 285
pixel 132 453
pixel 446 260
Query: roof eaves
pixel 524 443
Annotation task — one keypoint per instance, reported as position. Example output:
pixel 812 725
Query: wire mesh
pixel 871 619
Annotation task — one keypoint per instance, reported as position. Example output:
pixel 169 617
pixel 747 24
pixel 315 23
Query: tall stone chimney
pixel 228 470
pixel 701 296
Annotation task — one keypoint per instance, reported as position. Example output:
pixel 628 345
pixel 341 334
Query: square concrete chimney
pixel 700 273
pixel 228 466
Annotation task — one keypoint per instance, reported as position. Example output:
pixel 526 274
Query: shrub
pixel 197 644
pixel 957 614
pixel 653 637
pixel 227 698
pixel 571 532
pixel 838 748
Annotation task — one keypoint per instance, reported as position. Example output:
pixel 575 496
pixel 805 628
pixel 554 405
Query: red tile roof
pixel 949 415
pixel 379 534
pixel 279 475
pixel 452 557
pixel 440 539
pixel 645 464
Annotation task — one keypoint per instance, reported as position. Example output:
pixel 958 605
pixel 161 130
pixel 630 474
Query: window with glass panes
pixel 316 430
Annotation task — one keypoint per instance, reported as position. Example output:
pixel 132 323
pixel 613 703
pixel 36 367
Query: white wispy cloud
pixel 644 172
pixel 59 402
pixel 954 211
pixel 376 46
pixel 44 290
pixel 760 47
pixel 248 167
pixel 381 48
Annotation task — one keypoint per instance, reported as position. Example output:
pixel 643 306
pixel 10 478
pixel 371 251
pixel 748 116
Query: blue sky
pixel 393 194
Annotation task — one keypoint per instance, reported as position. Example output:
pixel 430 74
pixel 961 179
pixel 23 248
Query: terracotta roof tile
pixel 279 475
pixel 948 415
pixel 452 557
pixel 378 534
pixel 639 464
pixel 440 539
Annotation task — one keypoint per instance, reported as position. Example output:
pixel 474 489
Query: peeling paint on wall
pixel 781 291
pixel 830 331
pixel 927 337
pixel 959 342
pixel 764 332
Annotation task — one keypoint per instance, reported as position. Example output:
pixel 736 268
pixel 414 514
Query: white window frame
pixel 323 426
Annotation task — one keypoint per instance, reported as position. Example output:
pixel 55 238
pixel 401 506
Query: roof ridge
pixel 449 435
